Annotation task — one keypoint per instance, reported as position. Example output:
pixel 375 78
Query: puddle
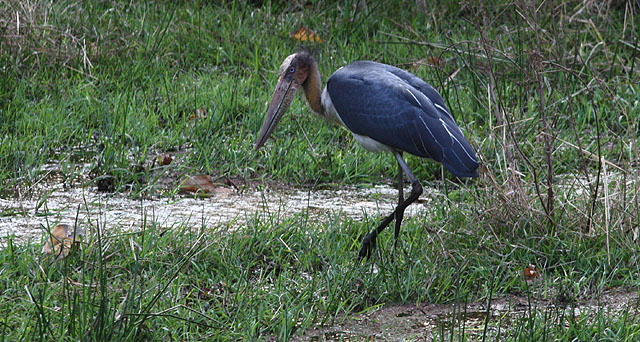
pixel 429 322
pixel 27 219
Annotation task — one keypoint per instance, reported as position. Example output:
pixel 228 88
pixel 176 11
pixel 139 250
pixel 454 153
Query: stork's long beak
pixel 283 95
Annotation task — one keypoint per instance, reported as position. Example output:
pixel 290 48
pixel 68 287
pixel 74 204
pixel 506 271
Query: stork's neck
pixel 313 89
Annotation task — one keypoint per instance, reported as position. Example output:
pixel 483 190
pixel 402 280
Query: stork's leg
pixel 369 242
pixel 399 213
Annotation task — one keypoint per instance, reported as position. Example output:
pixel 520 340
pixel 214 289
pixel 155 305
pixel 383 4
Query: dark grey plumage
pixel 387 109
pixel 400 110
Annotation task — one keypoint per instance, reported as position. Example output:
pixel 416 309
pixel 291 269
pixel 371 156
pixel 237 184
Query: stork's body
pixel 386 109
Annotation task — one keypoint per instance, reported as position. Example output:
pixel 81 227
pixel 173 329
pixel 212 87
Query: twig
pixel 548 138
pixel 605 183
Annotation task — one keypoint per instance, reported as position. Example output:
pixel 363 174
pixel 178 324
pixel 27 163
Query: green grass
pixel 99 89
pixel 279 277
pixel 137 98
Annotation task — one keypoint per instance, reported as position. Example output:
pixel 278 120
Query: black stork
pixel 386 109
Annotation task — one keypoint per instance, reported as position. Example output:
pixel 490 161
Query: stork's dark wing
pixel 398 109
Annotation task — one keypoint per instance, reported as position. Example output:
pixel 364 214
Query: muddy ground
pixel 430 322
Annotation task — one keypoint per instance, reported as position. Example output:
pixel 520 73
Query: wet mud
pixel 433 322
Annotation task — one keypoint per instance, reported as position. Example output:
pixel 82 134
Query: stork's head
pixel 293 73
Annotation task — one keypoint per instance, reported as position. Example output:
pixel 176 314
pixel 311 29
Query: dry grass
pixel 67 33
pixel 560 81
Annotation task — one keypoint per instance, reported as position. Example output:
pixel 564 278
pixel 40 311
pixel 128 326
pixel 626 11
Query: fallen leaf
pixel 201 113
pixel 531 273
pixel 165 159
pixel 198 184
pixel 303 34
pixel 61 239
pixel 203 185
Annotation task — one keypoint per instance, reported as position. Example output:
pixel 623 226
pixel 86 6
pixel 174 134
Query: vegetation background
pixel 547 93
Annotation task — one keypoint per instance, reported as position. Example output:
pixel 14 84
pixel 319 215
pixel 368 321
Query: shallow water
pixel 28 219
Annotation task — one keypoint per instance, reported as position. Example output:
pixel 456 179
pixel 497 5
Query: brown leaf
pixel 61 239
pixel 201 113
pixel 198 184
pixel 303 34
pixel 531 273
pixel 203 185
pixel 165 159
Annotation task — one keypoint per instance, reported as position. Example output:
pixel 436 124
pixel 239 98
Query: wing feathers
pixel 398 109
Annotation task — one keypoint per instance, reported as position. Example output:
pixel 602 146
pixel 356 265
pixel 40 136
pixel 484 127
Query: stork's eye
pixel 292 70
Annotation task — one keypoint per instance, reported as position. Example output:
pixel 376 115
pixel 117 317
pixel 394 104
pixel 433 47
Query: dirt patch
pixel 428 322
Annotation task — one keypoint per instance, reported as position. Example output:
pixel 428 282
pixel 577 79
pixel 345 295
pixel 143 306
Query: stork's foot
pixel 368 246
